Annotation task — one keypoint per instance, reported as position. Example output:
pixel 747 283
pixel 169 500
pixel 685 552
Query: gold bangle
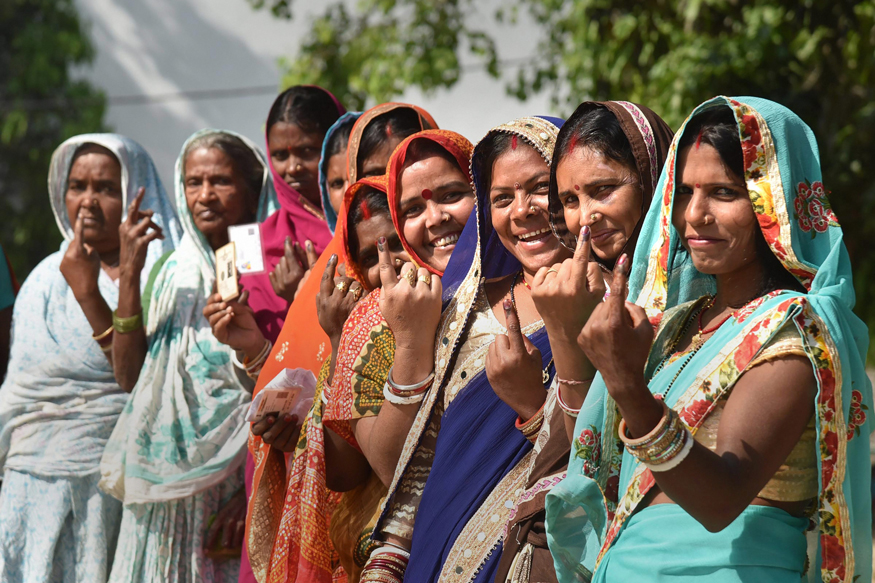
pixel 128 324
pixel 103 334
pixel 106 349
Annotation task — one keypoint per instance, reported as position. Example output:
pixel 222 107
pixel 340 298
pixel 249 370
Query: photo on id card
pixel 247 241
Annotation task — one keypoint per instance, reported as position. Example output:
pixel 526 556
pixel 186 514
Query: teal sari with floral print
pixel 594 531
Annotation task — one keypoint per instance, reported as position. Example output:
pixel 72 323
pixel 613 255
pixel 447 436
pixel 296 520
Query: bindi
pixel 427 193
pixel 517 186
pixel 698 185
pixel 576 187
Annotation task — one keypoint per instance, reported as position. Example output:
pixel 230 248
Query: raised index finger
pixel 617 300
pixel 328 276
pixel 581 255
pixel 514 332
pixel 134 208
pixel 387 271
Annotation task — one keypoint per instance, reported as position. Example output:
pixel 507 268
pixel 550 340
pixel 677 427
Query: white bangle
pixel 408 388
pixel 681 456
pixel 396 400
pixel 257 361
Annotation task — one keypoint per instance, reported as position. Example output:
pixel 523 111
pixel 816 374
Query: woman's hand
pixel 333 304
pixel 135 236
pixel 233 324
pixel 514 368
pixel 617 340
pixel 568 292
pixel 411 304
pixel 292 269
pixel 80 266
pixel 281 433
pixel 230 524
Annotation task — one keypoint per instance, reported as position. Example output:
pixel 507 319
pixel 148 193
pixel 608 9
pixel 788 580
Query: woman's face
pixel 376 162
pixel 368 231
pixel 337 178
pixel 216 194
pixel 435 202
pixel 94 191
pixel 518 206
pixel 295 156
pixel 603 194
pixel 712 212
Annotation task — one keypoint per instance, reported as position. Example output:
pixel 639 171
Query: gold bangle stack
pixel 531 428
pixel 104 339
pixel 665 446
pixel 128 324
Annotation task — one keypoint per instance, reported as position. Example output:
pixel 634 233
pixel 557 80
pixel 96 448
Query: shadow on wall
pixel 166 46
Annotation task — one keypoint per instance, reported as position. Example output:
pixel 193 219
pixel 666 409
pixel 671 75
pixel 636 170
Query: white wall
pixel 165 46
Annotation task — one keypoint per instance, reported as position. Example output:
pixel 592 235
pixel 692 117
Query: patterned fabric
pixel 301 344
pixel 163 542
pixel 584 522
pixel 349 117
pixel 60 530
pixel 455 144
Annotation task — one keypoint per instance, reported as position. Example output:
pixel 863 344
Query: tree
pixel 817 58
pixel 40 106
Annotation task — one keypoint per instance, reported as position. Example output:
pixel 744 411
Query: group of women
pixel 580 350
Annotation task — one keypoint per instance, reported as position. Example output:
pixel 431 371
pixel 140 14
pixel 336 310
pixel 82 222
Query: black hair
pixel 422 148
pixel 245 162
pixel 400 122
pixel 718 128
pixel 310 108
pixel 599 129
pixel 489 150
pixel 376 202
pixel 339 139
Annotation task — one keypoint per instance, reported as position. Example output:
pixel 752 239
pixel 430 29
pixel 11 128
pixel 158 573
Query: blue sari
pixel 480 461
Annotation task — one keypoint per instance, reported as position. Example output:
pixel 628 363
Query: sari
pixel 296 219
pixel 301 344
pixel 8 285
pixel 525 555
pixel 327 210
pixel 591 518
pixel 464 462
pixel 175 456
pixel 60 401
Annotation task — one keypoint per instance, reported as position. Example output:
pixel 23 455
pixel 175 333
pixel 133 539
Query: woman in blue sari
pixel 466 456
pixel 743 423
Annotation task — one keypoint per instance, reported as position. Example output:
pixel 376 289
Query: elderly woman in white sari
pixel 60 401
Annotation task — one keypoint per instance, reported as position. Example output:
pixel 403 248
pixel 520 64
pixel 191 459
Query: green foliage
pixel 815 57
pixel 40 106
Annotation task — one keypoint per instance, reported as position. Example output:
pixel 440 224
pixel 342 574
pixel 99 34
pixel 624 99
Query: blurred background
pixel 157 70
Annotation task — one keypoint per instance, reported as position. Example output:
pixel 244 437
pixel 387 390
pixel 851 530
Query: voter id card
pixel 226 272
pixel 247 239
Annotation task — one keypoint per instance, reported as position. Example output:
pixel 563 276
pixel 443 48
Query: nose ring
pixel 593 217
pixel 398 261
pixel 297 167
pixel 533 209
pixel 445 217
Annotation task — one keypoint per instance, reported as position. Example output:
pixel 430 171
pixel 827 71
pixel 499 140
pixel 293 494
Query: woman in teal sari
pixel 758 432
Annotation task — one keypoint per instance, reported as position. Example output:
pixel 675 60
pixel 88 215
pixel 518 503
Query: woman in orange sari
pixel 303 344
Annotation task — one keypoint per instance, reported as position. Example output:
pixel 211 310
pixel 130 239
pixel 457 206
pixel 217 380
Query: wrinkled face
pixel 435 201
pixel 368 231
pixel 712 212
pixel 601 193
pixel 518 207
pixel 295 156
pixel 94 190
pixel 337 178
pixel 376 162
pixel 216 194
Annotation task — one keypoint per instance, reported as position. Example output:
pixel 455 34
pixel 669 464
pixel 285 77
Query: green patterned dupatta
pixel 586 513
pixel 182 430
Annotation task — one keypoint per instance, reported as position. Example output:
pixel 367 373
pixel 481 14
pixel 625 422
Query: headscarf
pixel 479 451
pixel 426 122
pixel 278 515
pixel 60 397
pixel 183 429
pixel 783 177
pixel 296 220
pixel 455 144
pixel 352 269
pixel 327 209
pixel 648 135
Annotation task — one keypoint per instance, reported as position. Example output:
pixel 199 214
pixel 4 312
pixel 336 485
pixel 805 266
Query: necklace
pixel 703 332
pixel 694 347
pixel 308 206
pixel 545 374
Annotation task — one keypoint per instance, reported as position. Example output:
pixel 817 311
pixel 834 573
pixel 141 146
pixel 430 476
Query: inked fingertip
pixel 585 233
pixel 508 305
pixel 623 259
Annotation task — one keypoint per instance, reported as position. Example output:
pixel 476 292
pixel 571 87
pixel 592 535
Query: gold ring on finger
pixel 411 277
pixel 426 279
pixel 342 287
pixel 356 293
pixel 551 270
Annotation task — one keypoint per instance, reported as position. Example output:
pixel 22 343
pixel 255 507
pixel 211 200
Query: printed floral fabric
pixel 781 168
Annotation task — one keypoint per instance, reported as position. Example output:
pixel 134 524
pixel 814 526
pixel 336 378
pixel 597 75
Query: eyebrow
pixel 437 190
pixel 540 176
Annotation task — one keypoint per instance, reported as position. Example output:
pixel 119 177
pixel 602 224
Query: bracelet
pixel 386 564
pixel 128 324
pixel 103 334
pixel 396 399
pixel 409 389
pixel 531 428
pixel 678 458
pixel 573 383
pixel 255 365
pixel 398 549
pixel 106 348
pixel 564 406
